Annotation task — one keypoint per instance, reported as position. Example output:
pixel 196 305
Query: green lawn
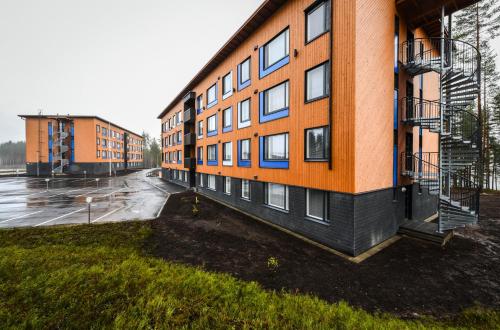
pixel 100 277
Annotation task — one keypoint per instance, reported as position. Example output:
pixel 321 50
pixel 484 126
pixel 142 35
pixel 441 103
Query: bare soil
pixel 410 278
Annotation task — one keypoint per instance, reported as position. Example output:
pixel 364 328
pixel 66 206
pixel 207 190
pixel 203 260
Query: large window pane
pixel 245 149
pixel 245 71
pixel 277 49
pixel 277 195
pixel 317 21
pixel 227 84
pixel 212 94
pixel 317 205
pixel 227 121
pixel 211 182
pixel 227 185
pixel 317 82
pixel 316 143
pixel 276 147
pixel 211 152
pixel 276 98
pixel 245 111
pixel 228 151
pixel 245 189
pixel 212 123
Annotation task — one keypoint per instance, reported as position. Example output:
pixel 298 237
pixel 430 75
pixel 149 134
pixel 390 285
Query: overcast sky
pixel 123 60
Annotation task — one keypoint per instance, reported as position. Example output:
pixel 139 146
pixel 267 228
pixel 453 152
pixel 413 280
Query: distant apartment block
pixel 74 144
pixel 320 117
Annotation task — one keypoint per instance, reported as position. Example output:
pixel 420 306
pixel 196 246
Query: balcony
pixel 189 139
pixel 190 163
pixel 189 97
pixel 189 116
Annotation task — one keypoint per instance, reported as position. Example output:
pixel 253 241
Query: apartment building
pixel 77 144
pixel 320 117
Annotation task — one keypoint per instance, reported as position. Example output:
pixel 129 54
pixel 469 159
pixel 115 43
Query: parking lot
pixel 27 201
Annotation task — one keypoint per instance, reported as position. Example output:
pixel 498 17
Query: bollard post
pixel 97 182
pixel 47 183
pixel 89 201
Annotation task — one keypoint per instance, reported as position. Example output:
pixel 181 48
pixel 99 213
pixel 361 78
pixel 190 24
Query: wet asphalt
pixel 26 202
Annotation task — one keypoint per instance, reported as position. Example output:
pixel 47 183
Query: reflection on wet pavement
pixel 27 201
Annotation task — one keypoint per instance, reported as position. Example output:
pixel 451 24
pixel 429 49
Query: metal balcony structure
pixel 61 159
pixel 452 172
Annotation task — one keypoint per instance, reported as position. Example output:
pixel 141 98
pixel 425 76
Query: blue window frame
pixel 200 156
pixel 212 125
pixel 212 93
pixel 275 54
pixel 273 151
pixel 274 102
pixel 212 155
pixel 227 120
pixel 244 74
pixel 244 153
pixel 199 104
pixel 50 141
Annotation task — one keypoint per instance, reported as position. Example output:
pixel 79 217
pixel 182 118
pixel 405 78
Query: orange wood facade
pixel 362 99
pixel 86 137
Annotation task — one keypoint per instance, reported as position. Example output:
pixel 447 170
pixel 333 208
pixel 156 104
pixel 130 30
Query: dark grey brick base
pixel 357 222
pixel 167 175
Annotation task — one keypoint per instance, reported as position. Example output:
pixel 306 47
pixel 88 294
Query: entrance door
pixel 409 152
pixel 408 202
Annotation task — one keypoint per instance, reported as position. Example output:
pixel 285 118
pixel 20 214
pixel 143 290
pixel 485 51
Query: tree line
pixel 12 153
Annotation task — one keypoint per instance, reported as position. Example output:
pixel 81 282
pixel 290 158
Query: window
pixel 274 54
pixel 273 151
pixel 104 154
pixel 98 141
pixel 317 144
pixel 317 20
pixel 199 103
pixel 200 155
pixel 104 131
pixel 211 182
pixel 227 120
pixel 244 114
pixel 179 157
pixel 200 129
pixel 186 176
pixel 317 204
pixel 202 177
pixel 227 153
pixel 104 143
pixel 98 128
pixel 98 154
pixel 245 189
pixel 276 195
pixel 273 103
pixel 245 149
pixel 227 185
pixel 212 154
pixel 212 125
pixel 244 74
pixel 276 49
pixel 212 96
pixel 276 147
pixel 179 137
pixel 317 82
pixel 227 85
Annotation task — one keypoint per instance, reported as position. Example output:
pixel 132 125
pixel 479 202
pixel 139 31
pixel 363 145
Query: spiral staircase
pixel 60 156
pixel 452 172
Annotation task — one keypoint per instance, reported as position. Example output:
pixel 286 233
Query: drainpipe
pixel 330 90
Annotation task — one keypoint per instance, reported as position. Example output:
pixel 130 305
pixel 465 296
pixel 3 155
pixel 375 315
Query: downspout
pixel 330 91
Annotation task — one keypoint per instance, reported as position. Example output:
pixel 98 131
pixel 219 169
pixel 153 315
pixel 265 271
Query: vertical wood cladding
pixel 362 98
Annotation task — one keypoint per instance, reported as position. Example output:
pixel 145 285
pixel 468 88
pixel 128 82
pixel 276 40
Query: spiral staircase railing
pixel 451 173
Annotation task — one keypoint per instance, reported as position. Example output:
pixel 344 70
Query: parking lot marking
pixel 24 196
pixel 65 192
pixel 111 193
pixel 60 217
pixel 108 214
pixel 21 216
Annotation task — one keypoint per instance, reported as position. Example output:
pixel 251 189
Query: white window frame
pixel 247 123
pixel 202 176
pixel 230 111
pixel 200 130
pixel 241 82
pixel 227 162
pixel 212 118
pixel 227 94
pixel 214 86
